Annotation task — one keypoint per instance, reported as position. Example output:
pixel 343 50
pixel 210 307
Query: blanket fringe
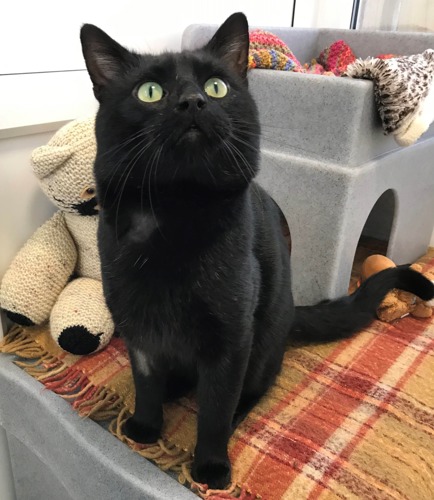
pixel 17 341
pixel 166 456
pixel 171 457
pixel 101 403
pixel 89 400
pixel 235 490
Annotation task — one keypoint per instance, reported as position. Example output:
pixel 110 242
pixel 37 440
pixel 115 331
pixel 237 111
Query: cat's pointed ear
pixel 231 43
pixel 105 58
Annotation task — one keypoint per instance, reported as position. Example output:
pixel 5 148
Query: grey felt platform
pixel 327 163
pixel 58 455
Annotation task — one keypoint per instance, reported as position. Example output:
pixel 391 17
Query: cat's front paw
pixel 141 433
pixel 217 475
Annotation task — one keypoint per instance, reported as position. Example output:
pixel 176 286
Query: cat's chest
pixel 126 242
pixel 141 228
pixel 146 246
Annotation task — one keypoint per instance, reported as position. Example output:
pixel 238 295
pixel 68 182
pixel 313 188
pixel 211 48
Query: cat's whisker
pixel 127 141
pixel 259 149
pixel 262 125
pixel 153 158
pixel 140 135
pixel 143 262
pixel 241 156
pixel 137 260
pixel 172 180
pixel 270 137
pixel 128 170
pixel 159 155
pixel 253 148
pixel 207 161
pixel 118 164
pixel 227 145
pixel 145 171
pixel 235 150
pixel 150 188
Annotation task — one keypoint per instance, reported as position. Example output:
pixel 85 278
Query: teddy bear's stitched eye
pixel 88 193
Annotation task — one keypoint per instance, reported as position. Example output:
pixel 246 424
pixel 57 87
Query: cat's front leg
pixel 149 382
pixel 219 388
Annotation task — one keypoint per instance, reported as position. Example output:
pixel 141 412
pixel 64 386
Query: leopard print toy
pixel 404 92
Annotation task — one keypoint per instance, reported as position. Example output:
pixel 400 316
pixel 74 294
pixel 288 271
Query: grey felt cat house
pixel 327 163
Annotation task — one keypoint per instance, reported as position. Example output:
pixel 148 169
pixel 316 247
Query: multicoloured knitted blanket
pixel 267 51
pixel 350 419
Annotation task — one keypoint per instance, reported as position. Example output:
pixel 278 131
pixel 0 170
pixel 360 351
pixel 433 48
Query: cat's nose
pixel 191 102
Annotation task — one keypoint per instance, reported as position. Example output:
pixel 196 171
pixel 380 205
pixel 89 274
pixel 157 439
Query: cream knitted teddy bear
pixel 56 276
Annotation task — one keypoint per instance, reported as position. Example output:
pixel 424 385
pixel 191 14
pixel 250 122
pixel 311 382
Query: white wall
pixel 23 205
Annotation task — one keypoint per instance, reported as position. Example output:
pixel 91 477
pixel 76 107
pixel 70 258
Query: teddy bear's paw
pixel 19 319
pixel 78 340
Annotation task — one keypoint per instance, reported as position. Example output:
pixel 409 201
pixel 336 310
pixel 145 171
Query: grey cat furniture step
pixel 326 161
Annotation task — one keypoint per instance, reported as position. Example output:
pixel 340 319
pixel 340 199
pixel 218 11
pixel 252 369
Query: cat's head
pixel 175 119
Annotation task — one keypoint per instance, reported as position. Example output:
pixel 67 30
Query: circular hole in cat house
pixel 375 235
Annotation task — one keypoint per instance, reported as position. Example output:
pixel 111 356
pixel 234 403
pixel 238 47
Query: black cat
pixel 195 269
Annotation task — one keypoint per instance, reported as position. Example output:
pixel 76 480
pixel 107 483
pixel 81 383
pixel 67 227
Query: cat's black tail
pixel 340 318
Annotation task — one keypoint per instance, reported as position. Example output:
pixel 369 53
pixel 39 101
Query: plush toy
pixel 397 303
pixel 404 92
pixel 56 276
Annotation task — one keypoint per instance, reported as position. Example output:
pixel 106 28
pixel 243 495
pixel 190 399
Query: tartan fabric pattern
pixel 349 419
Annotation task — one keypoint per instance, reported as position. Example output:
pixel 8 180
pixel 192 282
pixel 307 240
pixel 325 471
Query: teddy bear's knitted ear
pixel 46 159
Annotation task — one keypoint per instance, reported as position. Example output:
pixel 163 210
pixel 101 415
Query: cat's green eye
pixel 150 92
pixel 215 87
